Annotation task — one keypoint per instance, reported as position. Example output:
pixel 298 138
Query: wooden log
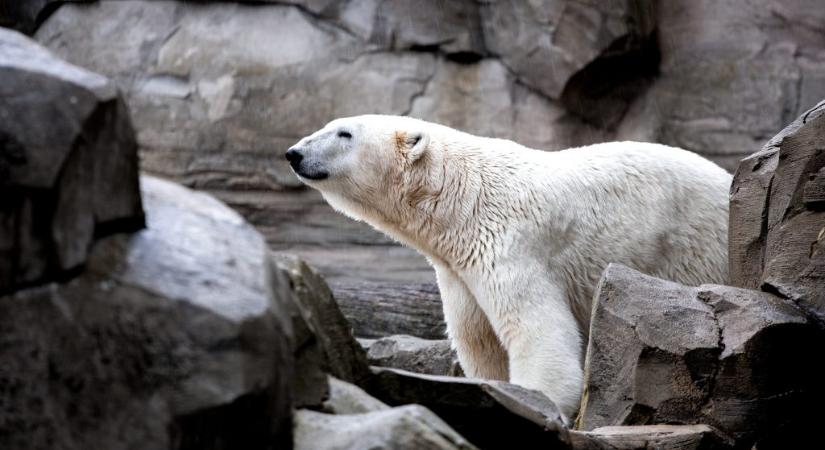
pixel 376 310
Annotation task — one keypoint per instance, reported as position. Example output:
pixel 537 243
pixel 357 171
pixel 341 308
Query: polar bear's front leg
pixel 532 317
pixel 479 350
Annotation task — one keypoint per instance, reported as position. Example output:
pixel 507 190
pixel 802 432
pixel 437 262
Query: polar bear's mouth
pixel 312 176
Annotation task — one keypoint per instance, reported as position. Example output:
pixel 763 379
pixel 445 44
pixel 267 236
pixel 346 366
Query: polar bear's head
pixel 358 149
pixel 367 166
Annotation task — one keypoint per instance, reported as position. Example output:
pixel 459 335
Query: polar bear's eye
pixel 345 134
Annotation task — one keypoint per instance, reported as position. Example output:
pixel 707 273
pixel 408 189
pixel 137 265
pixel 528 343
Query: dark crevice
pixel 603 90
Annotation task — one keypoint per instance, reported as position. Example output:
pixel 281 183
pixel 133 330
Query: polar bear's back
pixel 659 209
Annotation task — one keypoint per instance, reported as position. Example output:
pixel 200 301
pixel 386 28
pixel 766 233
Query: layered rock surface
pixel 218 90
pixel 777 221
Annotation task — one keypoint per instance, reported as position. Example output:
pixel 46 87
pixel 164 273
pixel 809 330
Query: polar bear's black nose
pixel 294 157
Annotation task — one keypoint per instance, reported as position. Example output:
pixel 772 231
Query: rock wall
pixel 218 90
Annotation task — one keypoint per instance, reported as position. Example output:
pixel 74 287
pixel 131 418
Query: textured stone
pixel 434 357
pixel 451 26
pixel 176 336
pixel 407 427
pixel 731 358
pixel 478 409
pixel 68 164
pixel 777 228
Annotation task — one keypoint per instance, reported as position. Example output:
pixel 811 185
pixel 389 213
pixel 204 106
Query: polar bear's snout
pixel 302 166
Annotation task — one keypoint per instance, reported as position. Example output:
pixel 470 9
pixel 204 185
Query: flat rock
pixel 410 427
pixel 176 336
pixel 68 164
pixel 434 357
pixel 662 437
pixel 731 358
pixel 478 409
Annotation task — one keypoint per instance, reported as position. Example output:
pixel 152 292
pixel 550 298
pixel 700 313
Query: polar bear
pixel 519 237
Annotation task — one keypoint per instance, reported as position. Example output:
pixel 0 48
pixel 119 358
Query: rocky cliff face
pixel 218 90
pixel 137 313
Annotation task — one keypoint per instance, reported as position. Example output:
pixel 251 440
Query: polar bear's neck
pixel 458 209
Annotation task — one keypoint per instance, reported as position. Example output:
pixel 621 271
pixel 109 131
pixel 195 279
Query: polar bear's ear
pixel 415 144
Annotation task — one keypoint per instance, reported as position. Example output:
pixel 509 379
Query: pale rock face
pixel 519 237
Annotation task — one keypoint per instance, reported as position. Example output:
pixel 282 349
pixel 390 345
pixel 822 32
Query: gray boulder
pixel 176 336
pixel 777 222
pixel 434 357
pixel 407 427
pixel 68 164
pixel 731 358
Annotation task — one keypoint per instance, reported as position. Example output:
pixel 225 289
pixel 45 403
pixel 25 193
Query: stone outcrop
pixel 777 218
pixel 68 164
pixel 732 358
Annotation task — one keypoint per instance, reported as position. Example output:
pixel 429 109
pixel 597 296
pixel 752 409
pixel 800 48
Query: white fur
pixel 519 237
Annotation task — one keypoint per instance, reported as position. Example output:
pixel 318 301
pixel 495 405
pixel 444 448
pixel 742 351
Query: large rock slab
pixel 68 164
pixel 409 427
pixel 777 222
pixel 735 359
pixel 176 336
pixel 480 410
